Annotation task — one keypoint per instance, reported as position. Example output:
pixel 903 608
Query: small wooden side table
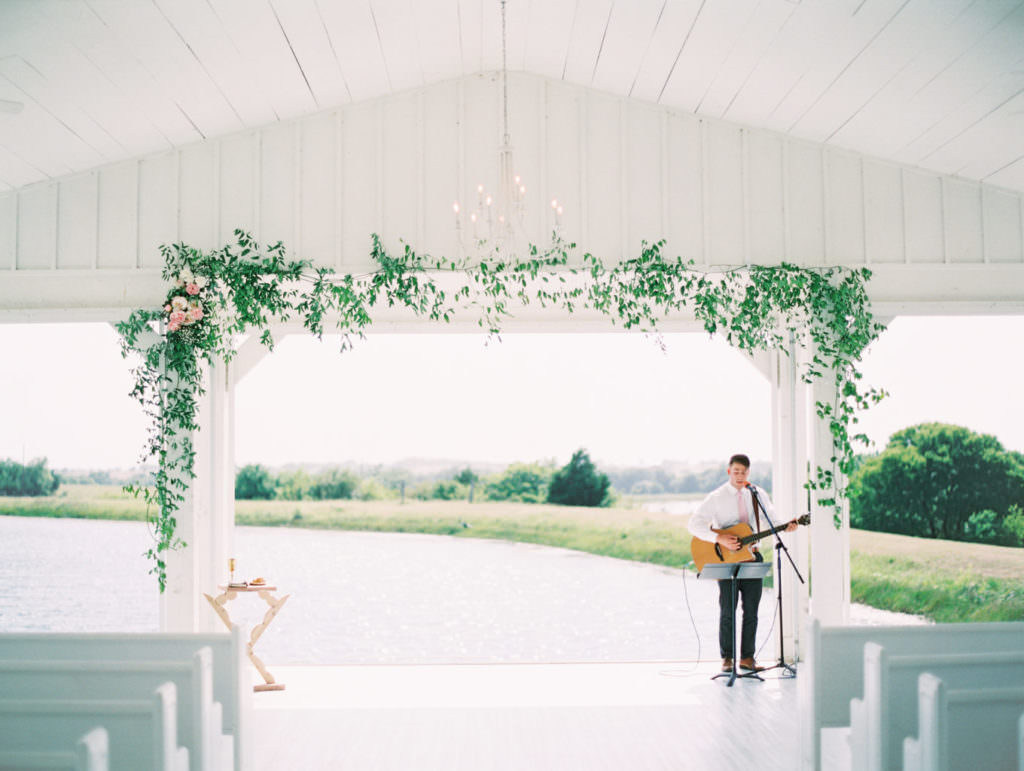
pixel 219 605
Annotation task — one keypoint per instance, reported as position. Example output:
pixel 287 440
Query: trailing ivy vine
pixel 245 288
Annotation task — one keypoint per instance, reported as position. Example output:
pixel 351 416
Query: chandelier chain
pixel 504 73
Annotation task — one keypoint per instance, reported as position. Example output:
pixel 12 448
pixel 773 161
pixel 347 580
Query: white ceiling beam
pixel 549 30
pixel 585 43
pixel 355 45
pixel 308 36
pixel 401 43
pixel 630 29
pixel 147 34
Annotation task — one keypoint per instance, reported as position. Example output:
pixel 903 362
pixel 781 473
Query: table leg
pixel 275 605
pixel 219 606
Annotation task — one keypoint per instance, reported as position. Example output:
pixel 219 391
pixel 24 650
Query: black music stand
pixel 733 572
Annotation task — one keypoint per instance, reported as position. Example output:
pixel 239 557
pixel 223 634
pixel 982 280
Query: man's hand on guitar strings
pixel 729 541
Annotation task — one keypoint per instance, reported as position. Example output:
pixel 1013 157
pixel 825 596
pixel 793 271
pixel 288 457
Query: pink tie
pixel 741 509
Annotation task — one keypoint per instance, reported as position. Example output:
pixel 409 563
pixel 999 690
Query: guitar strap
pixel 757 513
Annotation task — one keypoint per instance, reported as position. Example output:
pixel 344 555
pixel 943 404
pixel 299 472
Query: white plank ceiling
pixel 937 84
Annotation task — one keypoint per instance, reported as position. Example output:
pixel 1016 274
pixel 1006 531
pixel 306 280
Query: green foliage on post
pixel 939 481
pixel 245 288
pixel 579 483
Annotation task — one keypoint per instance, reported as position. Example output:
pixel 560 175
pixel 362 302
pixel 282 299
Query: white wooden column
pixel 788 494
pixel 789 463
pixel 830 546
pixel 207 516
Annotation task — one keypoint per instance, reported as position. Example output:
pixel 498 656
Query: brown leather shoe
pixel 727 665
pixel 751 666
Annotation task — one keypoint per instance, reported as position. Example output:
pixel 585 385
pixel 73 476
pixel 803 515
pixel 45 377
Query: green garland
pixel 245 288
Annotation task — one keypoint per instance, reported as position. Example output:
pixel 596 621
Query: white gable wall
pixel 625 170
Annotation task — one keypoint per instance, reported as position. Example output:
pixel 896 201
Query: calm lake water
pixel 369 597
pixel 380 597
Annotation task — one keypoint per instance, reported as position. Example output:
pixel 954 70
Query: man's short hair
pixel 740 458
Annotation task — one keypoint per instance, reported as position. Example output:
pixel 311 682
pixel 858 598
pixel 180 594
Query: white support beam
pixel 830 545
pixel 206 518
pixel 250 353
pixel 788 478
pixel 764 362
pixel 914 290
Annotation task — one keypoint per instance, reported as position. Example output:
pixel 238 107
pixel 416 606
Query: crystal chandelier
pixel 499 222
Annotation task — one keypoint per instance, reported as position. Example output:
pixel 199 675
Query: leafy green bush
pixel 372 489
pixel 521 482
pixel 442 490
pixel 333 484
pixel 579 483
pixel 1013 524
pixel 932 478
pixel 294 485
pixel 32 479
pixel 253 482
pixel 985 527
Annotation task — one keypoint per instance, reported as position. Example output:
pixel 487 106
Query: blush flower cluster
pixel 184 304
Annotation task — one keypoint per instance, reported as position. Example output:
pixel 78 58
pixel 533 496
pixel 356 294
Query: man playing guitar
pixel 729 505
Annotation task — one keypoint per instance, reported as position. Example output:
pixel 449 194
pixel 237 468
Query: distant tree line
pixel 140 476
pixel 935 480
pixel 30 479
pixel 578 483
pixel 654 481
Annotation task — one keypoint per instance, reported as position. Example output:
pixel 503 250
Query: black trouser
pixel 749 591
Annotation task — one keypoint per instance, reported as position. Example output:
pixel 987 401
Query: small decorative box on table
pixel 219 604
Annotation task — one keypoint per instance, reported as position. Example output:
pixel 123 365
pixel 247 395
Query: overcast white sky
pixel 64 395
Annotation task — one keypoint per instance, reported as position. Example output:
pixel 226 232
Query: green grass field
pixel 941 580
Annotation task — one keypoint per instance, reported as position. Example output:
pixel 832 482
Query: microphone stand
pixel 780 549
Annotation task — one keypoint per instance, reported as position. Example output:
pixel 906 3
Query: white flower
pixel 202 281
pixel 179 303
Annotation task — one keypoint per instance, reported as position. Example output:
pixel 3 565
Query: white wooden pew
pixel 142 733
pixel 964 728
pixel 1020 743
pixel 89 754
pixel 833 673
pixel 232 686
pixel 199 716
pixel 888 712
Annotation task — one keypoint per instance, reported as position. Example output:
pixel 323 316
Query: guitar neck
pixel 755 537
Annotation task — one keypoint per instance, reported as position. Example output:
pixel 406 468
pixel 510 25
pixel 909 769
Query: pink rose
pixel 177 318
pixel 167 308
pixel 172 327
pixel 194 314
pixel 192 289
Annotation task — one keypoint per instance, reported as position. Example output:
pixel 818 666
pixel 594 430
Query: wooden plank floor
pixel 523 716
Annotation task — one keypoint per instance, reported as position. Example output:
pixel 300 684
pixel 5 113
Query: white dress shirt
pixel 720 510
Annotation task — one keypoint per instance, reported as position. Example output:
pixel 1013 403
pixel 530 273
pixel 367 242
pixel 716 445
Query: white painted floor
pixel 649 715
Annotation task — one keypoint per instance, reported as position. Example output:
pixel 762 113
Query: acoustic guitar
pixel 705 551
